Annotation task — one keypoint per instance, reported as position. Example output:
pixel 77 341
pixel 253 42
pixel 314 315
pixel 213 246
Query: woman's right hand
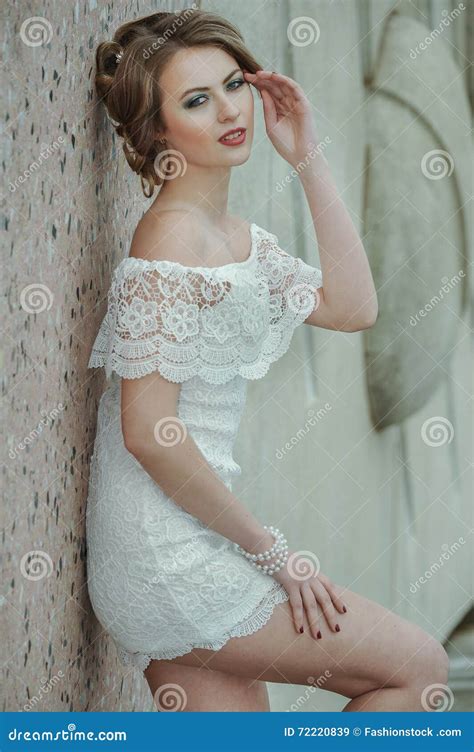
pixel 309 593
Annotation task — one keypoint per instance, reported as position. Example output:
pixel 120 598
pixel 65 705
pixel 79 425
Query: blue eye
pixel 196 103
pixel 237 81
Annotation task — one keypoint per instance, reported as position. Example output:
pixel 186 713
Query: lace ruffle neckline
pixel 132 263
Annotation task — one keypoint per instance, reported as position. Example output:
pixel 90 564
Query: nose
pixel 228 110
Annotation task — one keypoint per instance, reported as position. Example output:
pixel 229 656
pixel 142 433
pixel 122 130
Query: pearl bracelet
pixel 279 550
pixel 268 554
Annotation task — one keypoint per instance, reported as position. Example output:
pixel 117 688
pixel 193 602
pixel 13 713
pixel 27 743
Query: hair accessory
pixel 119 56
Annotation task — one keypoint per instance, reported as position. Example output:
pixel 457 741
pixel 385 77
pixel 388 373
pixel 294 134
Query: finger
pixel 275 91
pixel 297 610
pixel 288 82
pixel 269 110
pixel 269 83
pixel 283 81
pixel 332 590
pixel 261 86
pixel 312 611
pixel 324 600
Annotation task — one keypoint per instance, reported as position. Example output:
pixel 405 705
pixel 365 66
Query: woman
pixel 193 589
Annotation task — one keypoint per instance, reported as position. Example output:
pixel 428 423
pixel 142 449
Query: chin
pixel 235 156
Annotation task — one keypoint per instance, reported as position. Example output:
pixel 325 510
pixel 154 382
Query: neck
pixel 204 190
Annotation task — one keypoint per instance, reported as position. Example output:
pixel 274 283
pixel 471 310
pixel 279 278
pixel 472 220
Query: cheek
pixel 192 130
pixel 246 105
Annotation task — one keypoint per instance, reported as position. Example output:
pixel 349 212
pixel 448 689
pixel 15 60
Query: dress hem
pixel 258 618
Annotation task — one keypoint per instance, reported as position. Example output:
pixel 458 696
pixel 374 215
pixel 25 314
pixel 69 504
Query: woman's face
pixel 204 95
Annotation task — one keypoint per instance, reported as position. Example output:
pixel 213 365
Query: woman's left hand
pixel 288 115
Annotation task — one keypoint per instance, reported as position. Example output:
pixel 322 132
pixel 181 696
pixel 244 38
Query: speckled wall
pixel 71 201
pixel 70 206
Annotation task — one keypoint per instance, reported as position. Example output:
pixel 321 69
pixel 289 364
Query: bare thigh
pixel 185 688
pixel 375 648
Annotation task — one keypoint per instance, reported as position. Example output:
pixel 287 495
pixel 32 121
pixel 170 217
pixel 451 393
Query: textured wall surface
pixel 377 507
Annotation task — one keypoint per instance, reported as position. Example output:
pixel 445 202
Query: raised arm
pixel 348 300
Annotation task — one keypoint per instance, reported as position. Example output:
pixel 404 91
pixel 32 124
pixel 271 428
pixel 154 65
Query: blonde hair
pixel 129 86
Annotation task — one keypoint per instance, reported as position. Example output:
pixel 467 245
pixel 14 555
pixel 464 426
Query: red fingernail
pixel 338 628
pixel 301 629
pixel 319 635
pixel 344 609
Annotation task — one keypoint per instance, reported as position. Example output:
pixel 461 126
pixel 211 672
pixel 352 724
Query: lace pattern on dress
pixel 257 619
pixel 211 322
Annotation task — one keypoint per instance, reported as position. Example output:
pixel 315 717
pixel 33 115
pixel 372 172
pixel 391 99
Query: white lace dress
pixel 160 581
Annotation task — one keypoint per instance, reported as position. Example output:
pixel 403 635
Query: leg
pixel 201 689
pixel 380 660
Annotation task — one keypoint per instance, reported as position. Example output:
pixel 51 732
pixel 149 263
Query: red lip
pixel 235 141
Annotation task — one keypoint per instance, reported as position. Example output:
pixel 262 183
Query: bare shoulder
pixel 168 235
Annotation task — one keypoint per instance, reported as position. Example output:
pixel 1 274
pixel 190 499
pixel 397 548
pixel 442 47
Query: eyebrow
pixel 206 88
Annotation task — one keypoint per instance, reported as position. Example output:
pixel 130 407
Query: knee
pixel 431 663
